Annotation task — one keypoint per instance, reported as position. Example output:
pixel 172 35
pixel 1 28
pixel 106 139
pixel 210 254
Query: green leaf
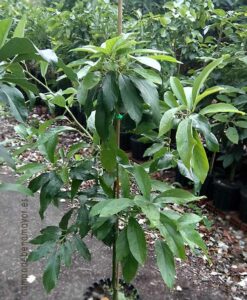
pixel 36 183
pixel 199 160
pixel 48 234
pixel 166 122
pixel 14 187
pixel 102 119
pixel 122 245
pixel 51 272
pixel 178 90
pixel 178 196
pixel 143 181
pixel 49 192
pixel 149 209
pixel 200 80
pixel 17 46
pixel 207 92
pixel 232 135
pixel 129 267
pixel 76 148
pixel 147 61
pixel 125 182
pixel 15 100
pixel 83 221
pixel 110 91
pixel 148 74
pixel 50 147
pixel 108 157
pixel 4 154
pixel 193 238
pixel 150 96
pixel 137 242
pixel 169 231
pixel 66 252
pixel 48 55
pixel 241 124
pixel 20 28
pixel 168 58
pixel 201 124
pixel 185 141
pixel 115 206
pixel 170 100
pixel 59 100
pixel 65 219
pixel 42 251
pixel 4 30
pixel 220 108
pixel 82 248
pixel 188 219
pixel 130 98
pixel 165 262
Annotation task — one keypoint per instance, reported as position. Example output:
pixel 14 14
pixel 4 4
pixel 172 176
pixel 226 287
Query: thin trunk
pixel 115 264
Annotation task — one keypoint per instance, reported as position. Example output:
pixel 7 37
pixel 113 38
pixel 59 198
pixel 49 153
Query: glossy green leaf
pixel 220 108
pixel 20 28
pixel 108 157
pixel 207 92
pixel 232 135
pixel 137 242
pixel 150 95
pixel 110 91
pixel 165 262
pixel 82 248
pixel 143 181
pixel 4 30
pixel 185 141
pixel 114 206
pixel 150 62
pixel 187 219
pixel 166 122
pixel 130 98
pixel 170 100
pixel 200 80
pixel 199 160
pixel 148 74
pixel 178 90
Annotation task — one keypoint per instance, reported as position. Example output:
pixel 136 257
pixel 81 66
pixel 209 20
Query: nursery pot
pixel 208 187
pixel 226 195
pixel 125 141
pixel 138 148
pixel 243 205
pixel 103 290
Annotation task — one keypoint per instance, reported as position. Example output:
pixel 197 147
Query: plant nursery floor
pixel 225 279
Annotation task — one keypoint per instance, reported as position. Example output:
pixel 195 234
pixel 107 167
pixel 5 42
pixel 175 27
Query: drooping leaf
pixel 110 92
pixel 137 242
pixel 165 262
pixel 122 245
pixel 82 248
pixel 42 251
pixel 199 160
pixel 185 141
pixel 51 272
pixel 129 267
pixel 15 100
pixel 4 154
pixel 130 98
pixel 150 95
pixel 143 180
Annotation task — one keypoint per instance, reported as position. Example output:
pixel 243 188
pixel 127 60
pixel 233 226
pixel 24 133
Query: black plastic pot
pixel 243 205
pixel 103 289
pixel 125 141
pixel 138 148
pixel 207 188
pixel 226 195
